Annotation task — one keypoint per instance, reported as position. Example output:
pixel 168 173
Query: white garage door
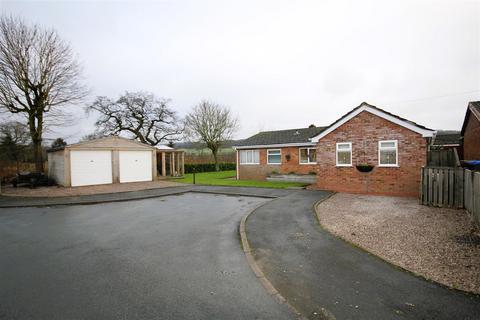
pixel 135 166
pixel 90 167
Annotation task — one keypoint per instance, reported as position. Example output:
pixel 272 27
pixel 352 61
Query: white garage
pixel 135 166
pixel 102 161
pixel 90 167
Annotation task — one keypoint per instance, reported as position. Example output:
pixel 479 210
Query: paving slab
pixel 324 277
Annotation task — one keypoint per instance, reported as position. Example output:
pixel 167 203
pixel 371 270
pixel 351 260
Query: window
pixel 308 155
pixel 344 154
pixel 249 157
pixel 274 156
pixel 388 153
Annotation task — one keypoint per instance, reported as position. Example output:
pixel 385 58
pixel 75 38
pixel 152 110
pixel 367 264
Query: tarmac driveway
pixel 175 257
pixel 324 277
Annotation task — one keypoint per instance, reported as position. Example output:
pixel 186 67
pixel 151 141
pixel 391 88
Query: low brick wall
pixel 303 178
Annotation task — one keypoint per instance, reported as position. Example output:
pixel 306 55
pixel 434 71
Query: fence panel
pixel 476 197
pixel 451 187
pixel 442 187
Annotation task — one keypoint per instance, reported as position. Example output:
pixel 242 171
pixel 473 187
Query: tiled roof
pixel 301 135
pixel 446 137
pixel 473 108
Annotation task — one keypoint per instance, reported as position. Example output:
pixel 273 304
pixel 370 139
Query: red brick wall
pixel 364 131
pixel 261 171
pixel 471 139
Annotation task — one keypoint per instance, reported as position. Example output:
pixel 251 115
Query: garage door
pixel 90 167
pixel 135 166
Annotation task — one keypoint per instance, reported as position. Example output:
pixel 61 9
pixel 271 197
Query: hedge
pixel 208 167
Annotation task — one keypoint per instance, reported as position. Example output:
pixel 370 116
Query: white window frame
pixel 268 160
pixel 336 155
pixel 396 153
pixel 308 155
pixel 249 163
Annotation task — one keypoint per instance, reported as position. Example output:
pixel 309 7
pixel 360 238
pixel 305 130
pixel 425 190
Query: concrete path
pixel 172 257
pixel 324 277
pixel 12 202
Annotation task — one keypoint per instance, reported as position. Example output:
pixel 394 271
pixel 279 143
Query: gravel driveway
pixel 175 257
pixel 433 242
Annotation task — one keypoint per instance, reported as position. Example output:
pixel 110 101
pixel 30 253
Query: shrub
pixel 208 167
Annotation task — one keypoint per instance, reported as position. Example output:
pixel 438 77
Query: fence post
pixel 459 188
pixel 451 186
pixel 440 187
pixel 425 186
pixel 476 198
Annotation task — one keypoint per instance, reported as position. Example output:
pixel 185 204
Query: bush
pixel 208 167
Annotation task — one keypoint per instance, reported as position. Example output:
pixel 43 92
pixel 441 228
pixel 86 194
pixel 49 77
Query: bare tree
pixel 140 115
pixel 38 76
pixel 14 140
pixel 91 136
pixel 58 143
pixel 212 124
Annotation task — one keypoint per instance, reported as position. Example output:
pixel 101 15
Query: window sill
pixel 307 163
pixel 249 164
pixel 344 166
pixel 388 166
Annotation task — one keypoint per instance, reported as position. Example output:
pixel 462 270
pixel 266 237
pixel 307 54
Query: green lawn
pixel 227 178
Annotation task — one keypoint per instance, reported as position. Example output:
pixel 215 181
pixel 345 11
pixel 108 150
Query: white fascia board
pixel 424 132
pixel 283 145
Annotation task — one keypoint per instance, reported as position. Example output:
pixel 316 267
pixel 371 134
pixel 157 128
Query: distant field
pixel 206 151
pixel 197 156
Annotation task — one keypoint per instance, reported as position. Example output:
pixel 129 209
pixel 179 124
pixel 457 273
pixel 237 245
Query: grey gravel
pixel 428 241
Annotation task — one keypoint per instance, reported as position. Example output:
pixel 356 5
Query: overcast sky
pixel 276 64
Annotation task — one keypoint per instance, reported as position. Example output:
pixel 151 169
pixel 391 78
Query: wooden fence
pixel 442 158
pixel 9 169
pixel 453 187
pixel 472 193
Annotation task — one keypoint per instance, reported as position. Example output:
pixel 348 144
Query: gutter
pixel 262 146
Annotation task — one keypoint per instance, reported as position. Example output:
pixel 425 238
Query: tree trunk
pixel 35 123
pixel 38 154
pixel 217 167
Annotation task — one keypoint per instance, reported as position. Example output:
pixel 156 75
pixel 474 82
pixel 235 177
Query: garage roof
pixel 107 142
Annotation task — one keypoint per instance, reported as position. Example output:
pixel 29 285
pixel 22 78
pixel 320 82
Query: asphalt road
pixel 175 257
pixel 324 277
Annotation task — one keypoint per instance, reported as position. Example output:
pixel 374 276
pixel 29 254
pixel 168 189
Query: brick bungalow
pixel 282 151
pixel 396 148
pixel 471 132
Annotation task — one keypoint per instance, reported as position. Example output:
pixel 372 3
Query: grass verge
pixel 227 178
